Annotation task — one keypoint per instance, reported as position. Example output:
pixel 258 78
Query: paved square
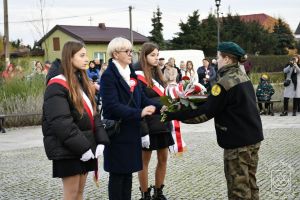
pixel 25 172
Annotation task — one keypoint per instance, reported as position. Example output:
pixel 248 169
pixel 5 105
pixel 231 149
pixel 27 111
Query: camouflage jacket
pixel 232 104
pixel 264 91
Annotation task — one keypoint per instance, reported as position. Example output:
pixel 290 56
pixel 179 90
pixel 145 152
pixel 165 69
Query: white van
pixel 196 56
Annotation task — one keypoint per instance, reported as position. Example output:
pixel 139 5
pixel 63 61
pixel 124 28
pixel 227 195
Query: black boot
pixel 146 195
pixel 294 113
pixel 158 193
pixel 284 113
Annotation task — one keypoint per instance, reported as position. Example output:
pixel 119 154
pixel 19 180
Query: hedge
pixel 270 63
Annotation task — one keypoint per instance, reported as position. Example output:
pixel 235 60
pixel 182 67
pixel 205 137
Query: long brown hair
pixel 188 70
pixel 69 49
pixel 147 48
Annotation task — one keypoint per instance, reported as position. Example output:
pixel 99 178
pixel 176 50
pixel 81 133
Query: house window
pixel 101 56
pixel 56 46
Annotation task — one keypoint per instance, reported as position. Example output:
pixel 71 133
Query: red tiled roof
pixel 96 34
pixel 265 20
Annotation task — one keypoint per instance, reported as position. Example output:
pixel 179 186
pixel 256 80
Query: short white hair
pixel 118 44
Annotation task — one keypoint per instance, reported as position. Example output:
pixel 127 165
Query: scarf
pixel 125 72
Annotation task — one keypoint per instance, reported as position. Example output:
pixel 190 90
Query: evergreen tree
pixel 190 35
pixel 297 46
pixel 156 33
pixel 284 37
pixel 209 38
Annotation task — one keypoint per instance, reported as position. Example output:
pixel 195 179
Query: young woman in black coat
pixel 159 137
pixel 68 121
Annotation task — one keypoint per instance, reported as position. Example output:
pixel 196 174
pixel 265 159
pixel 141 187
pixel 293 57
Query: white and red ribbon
pixel 179 144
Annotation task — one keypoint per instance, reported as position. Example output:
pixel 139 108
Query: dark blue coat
pixel 124 154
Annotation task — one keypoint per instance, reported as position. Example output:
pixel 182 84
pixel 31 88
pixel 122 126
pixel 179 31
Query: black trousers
pixel 260 105
pixel 286 104
pixel 119 186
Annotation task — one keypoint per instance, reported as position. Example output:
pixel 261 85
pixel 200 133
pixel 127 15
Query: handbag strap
pixel 130 100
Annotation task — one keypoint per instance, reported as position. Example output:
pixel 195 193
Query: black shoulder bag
pixel 112 127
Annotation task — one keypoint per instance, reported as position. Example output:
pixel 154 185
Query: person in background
pixel 248 66
pixel 67 124
pixel 214 64
pixel 93 72
pixel 103 68
pixel 232 104
pixel 97 63
pixel 46 67
pixel 206 74
pixel 264 93
pixel 37 71
pixel 190 72
pixel 19 72
pixel 171 62
pixel 97 86
pixel 161 63
pixel 170 74
pixel 182 68
pixel 292 90
pixel 9 72
pixel 38 68
pixel 159 137
pixel 123 99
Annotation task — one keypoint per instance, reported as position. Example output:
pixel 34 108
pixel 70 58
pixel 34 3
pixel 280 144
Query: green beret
pixel 231 48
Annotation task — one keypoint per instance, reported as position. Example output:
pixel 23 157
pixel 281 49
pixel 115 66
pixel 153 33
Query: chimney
pixel 102 26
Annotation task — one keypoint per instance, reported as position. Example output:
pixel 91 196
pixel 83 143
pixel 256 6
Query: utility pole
pixel 130 24
pixel 218 3
pixel 90 19
pixel 6 34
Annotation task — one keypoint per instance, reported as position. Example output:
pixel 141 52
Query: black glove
pixel 172 115
pixel 101 136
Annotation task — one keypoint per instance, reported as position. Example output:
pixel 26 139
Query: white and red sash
pixel 179 144
pixel 61 79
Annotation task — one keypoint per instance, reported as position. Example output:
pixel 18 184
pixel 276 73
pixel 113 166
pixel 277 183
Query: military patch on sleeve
pixel 216 90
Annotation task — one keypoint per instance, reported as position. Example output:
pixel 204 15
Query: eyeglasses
pixel 128 52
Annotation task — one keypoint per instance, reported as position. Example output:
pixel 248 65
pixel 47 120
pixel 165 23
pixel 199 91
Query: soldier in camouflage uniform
pixel 232 104
pixel 264 93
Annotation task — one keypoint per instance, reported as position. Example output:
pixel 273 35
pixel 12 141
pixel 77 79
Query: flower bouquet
pixel 185 95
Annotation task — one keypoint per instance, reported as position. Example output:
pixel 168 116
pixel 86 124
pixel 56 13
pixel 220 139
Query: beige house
pixel 96 39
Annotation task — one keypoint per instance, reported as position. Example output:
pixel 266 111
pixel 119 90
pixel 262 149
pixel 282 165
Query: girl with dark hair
pixel 158 138
pixel 190 72
pixel 68 121
pixel 93 72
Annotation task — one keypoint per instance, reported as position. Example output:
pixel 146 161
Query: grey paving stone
pixel 25 172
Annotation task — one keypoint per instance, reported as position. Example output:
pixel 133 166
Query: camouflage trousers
pixel 240 167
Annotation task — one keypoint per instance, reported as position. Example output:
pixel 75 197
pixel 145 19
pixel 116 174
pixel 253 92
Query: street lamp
pixel 218 3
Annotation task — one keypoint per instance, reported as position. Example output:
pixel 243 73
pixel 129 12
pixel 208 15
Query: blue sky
pixel 114 13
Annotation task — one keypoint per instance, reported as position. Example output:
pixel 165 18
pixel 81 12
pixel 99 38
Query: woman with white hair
pixel 123 99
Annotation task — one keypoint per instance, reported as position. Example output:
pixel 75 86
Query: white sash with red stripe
pixel 179 144
pixel 61 79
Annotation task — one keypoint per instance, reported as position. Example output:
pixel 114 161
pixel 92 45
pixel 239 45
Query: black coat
pixel 67 135
pixel 154 124
pixel 124 154
pixel 233 106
